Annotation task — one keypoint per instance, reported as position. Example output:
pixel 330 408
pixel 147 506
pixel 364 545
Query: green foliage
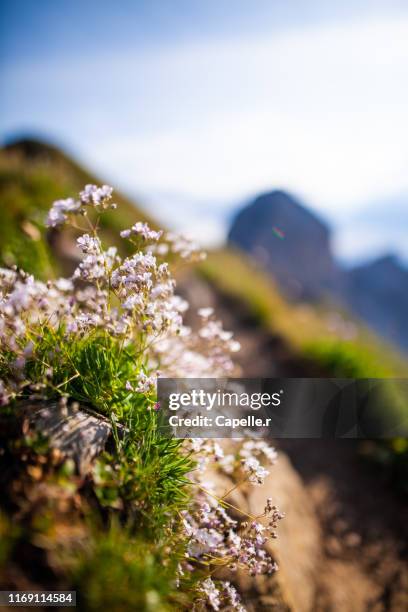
pixel 146 477
pixel 121 572
pixel 24 194
pixel 91 369
pixel 141 482
pixel 347 359
pixel 239 279
pixel 146 471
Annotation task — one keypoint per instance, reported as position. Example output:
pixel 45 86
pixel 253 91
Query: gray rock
pixel 291 242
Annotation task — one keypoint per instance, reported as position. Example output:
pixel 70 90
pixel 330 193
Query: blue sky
pixel 195 106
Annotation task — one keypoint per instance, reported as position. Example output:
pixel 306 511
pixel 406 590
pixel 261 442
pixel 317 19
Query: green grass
pixel 92 369
pixel 305 328
pixel 146 472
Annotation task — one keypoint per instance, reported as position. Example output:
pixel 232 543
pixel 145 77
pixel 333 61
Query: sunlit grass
pixel 304 327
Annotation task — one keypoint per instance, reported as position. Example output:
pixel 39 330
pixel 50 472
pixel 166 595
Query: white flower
pixel 64 284
pixel 234 539
pixel 227 464
pixel 89 244
pixel 257 473
pixel 92 195
pixel 230 593
pixel 58 212
pixel 204 541
pixel 55 217
pixel 145 384
pixel 211 593
pixel 258 447
pixel 143 231
pixel 206 313
pixel 133 301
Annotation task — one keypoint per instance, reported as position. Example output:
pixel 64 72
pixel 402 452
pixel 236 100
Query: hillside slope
pixel 32 176
pixel 327 335
pixel 351 571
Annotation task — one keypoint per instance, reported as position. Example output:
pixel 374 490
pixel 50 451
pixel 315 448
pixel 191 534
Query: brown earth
pixel 362 563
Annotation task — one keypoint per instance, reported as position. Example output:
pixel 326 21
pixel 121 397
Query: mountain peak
pixel 280 203
pixel 289 240
pixel 378 293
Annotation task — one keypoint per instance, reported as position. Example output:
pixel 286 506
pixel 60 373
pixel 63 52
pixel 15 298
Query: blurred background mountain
pixel 294 245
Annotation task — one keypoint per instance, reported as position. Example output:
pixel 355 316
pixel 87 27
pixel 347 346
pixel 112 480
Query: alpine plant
pixel 131 303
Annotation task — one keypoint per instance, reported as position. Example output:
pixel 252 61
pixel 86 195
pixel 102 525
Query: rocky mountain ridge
pixel 294 245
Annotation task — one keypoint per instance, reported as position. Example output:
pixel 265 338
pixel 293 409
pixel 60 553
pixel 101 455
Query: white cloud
pixel 321 111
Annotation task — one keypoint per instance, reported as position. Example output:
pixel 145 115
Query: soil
pixel 363 520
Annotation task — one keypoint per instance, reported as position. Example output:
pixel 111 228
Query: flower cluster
pixel 97 197
pixel 92 195
pixel 218 597
pixel 143 231
pixel 215 538
pixel 248 461
pixel 256 472
pixel 132 300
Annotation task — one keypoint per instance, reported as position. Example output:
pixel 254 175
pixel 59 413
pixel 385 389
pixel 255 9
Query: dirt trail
pixel 364 524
